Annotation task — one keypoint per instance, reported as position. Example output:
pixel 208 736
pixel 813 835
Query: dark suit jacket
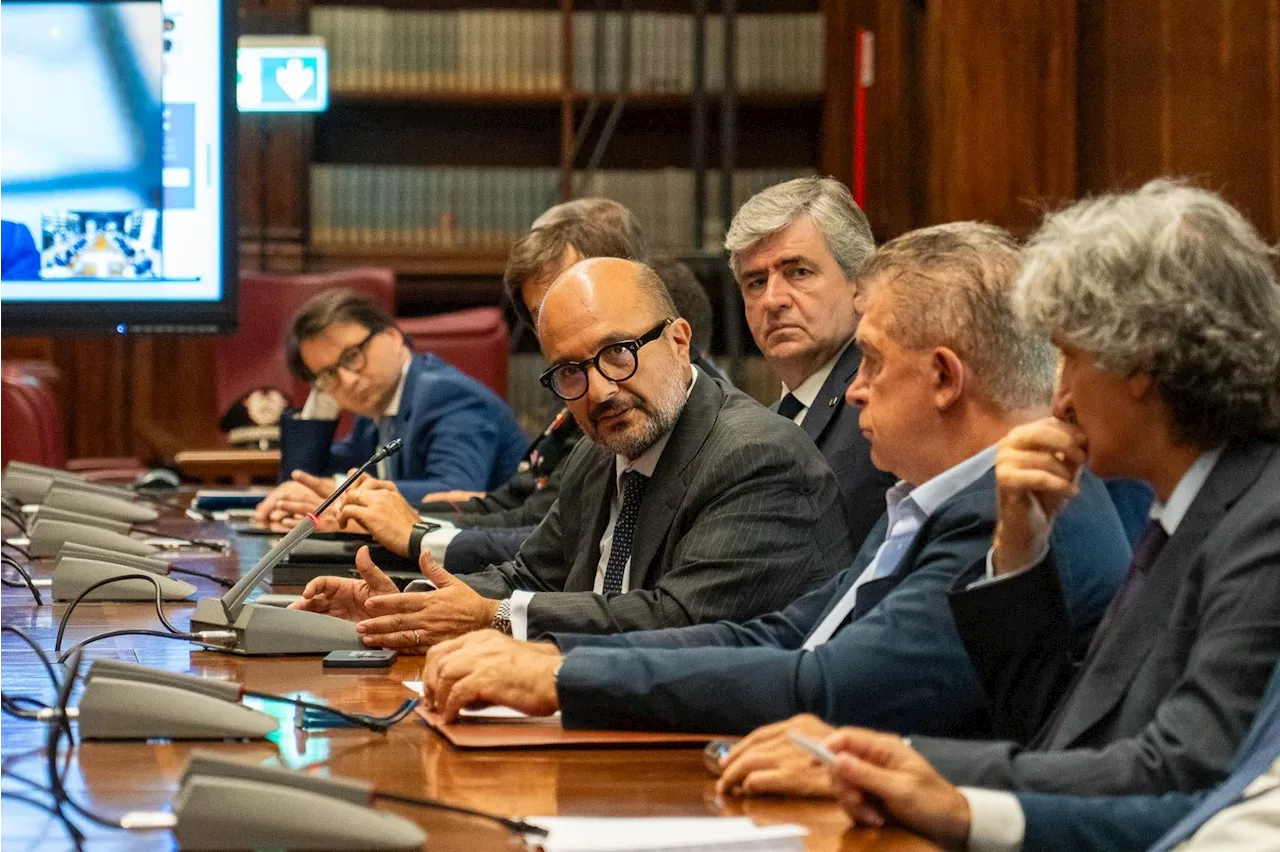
pixel 19 257
pixel 895 663
pixel 1057 823
pixel 476 548
pixel 1167 689
pixel 457 435
pixel 833 426
pixel 739 518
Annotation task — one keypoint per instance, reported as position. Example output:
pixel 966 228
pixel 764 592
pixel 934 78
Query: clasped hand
pixel 489 667
pixel 388 618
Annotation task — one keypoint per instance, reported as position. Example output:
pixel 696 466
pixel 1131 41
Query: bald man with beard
pixel 689 503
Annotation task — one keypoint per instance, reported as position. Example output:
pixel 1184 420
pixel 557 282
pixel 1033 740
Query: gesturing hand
pixel 410 620
pixel 1037 471
pixel 876 774
pixel 343 597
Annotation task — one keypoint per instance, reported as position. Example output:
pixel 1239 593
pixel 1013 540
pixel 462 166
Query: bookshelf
pixel 429 96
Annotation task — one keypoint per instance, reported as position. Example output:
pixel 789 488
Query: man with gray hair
pixel 876 642
pixel 795 250
pixel 1166 308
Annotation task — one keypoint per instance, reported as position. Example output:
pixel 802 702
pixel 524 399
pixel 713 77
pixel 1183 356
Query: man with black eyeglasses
pixel 457 433
pixel 688 504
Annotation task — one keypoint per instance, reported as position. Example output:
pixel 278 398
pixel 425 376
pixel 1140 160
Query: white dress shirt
pixel 807 393
pixel 996 821
pixel 909 507
pixel 645 464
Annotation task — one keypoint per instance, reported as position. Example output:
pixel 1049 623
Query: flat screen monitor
pixel 117 171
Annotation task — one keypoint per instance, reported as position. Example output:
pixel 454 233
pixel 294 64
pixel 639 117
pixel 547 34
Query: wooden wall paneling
pixel 1000 105
pixel 894 108
pixel 1174 87
pixel 96 392
pixel 173 394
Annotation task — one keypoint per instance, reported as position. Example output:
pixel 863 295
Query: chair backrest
pixel 254 356
pixel 31 428
pixel 474 341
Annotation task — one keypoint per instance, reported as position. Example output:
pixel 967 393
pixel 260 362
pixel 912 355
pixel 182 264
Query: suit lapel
pixel 666 489
pixel 595 501
pixel 398 463
pixel 1117 654
pixel 831 397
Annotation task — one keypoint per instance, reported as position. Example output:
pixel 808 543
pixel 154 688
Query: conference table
pixel 115 777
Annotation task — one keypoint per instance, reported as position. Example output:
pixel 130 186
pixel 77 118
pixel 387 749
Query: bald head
pixel 607 287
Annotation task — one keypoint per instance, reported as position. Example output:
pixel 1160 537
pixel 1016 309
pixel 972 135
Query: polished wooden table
pixel 114 777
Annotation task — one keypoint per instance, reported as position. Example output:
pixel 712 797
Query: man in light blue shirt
pixel 875 642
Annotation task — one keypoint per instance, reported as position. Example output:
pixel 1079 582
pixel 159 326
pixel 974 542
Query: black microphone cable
pixel 214 638
pixel 513 825
pixel 178 569
pixel 22 551
pixel 15 516
pixel 26 578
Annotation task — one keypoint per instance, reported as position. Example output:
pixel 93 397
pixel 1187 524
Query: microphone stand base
pixel 270 631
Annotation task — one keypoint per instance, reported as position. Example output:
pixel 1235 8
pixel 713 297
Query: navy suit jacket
pixel 19 257
pixel 833 426
pixel 458 435
pixel 896 663
pixel 1057 823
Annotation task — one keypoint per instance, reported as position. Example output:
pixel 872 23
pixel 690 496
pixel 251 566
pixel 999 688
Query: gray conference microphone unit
pixel 47 536
pixel 78 567
pixel 268 630
pixel 67 496
pixel 226 804
pixel 123 701
pixel 30 483
pixel 54 514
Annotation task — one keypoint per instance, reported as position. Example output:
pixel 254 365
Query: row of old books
pixel 781 52
pixel 375 50
pixel 446 208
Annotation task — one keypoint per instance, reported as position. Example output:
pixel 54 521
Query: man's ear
pixel 681 334
pixel 949 377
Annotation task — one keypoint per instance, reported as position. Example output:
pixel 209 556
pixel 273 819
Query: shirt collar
pixel 1170 514
pixel 929 496
pixel 393 407
pixel 807 392
pixel 647 461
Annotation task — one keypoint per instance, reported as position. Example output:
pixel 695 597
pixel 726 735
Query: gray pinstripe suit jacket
pixel 741 517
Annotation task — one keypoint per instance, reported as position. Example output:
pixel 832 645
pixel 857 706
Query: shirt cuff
pixel 436 542
pixel 990 575
pixel 520 615
pixel 996 821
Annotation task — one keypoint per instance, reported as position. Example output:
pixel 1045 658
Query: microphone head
pixel 390 448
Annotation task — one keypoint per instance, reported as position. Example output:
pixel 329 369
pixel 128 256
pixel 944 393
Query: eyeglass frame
pixel 634 346
pixel 346 361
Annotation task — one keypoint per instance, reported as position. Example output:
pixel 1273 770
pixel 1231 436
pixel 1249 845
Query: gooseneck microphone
pixel 270 630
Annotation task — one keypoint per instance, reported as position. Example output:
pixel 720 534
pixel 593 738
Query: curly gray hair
pixel 828 203
pixel 952 285
pixel 1168 280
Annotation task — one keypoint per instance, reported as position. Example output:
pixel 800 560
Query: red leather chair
pixel 34 429
pixel 254 356
pixel 474 341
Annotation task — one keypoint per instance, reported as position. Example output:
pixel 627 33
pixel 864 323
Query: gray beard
pixel 659 419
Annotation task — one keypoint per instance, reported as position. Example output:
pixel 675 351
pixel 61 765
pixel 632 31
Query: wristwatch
pixel 415 538
pixel 502 618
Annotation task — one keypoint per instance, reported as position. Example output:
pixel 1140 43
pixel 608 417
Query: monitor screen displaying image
pixel 116 168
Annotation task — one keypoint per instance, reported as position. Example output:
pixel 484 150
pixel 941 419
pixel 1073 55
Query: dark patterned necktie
pixel 789 407
pixel 1145 554
pixel 633 485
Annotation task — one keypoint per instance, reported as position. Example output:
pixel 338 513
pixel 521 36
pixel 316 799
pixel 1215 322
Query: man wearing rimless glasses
pixel 690 503
pixel 457 433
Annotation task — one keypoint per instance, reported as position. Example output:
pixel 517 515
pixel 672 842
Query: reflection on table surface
pixel 114 777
